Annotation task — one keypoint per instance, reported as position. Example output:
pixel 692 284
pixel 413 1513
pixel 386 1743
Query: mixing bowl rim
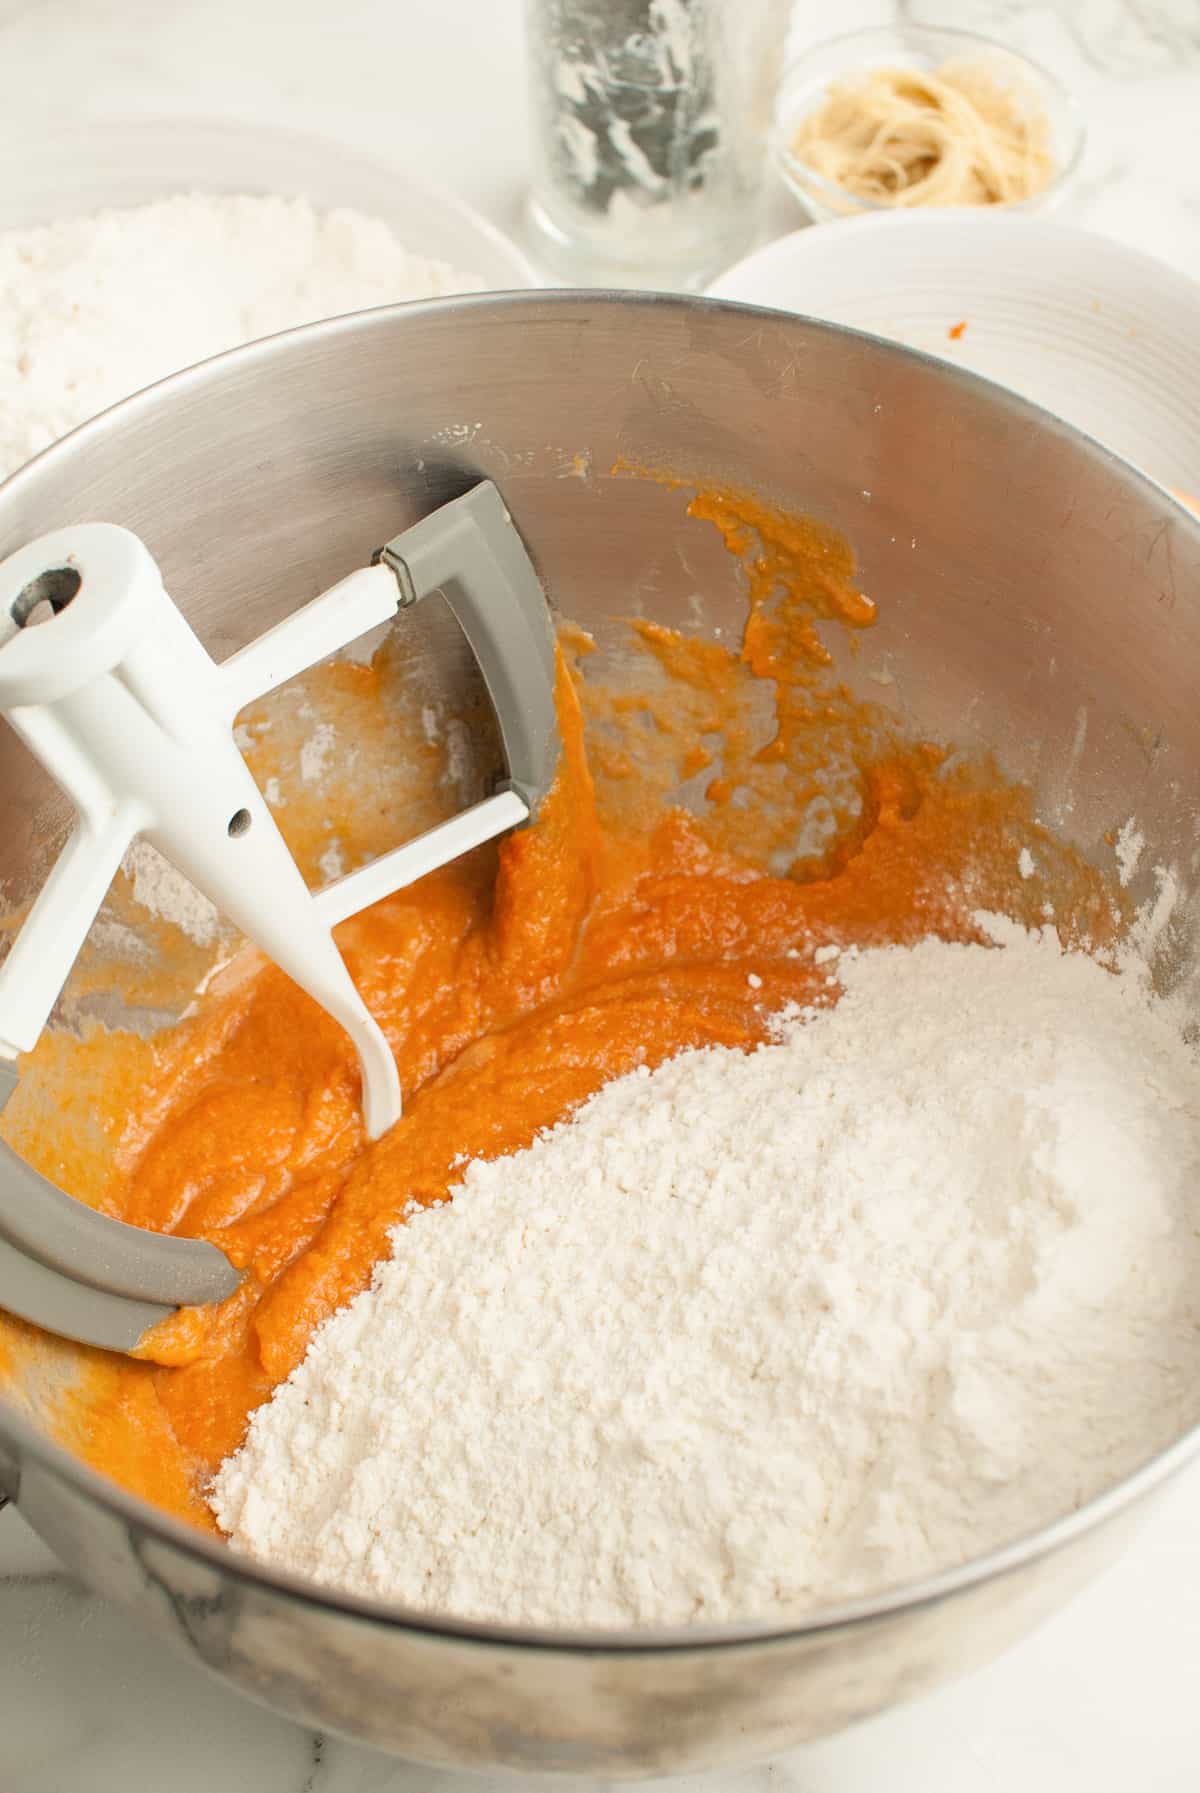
pixel 20 1436
pixel 16 1433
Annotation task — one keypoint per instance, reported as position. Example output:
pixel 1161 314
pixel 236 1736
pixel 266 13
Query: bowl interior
pixel 1037 597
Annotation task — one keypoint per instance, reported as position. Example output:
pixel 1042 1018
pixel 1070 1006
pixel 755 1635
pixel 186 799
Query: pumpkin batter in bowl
pixel 615 931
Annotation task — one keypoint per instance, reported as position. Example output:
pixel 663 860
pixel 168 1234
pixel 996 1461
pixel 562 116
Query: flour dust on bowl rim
pixel 993 635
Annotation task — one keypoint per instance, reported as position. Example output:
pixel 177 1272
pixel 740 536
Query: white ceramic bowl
pixel 124 163
pixel 1103 335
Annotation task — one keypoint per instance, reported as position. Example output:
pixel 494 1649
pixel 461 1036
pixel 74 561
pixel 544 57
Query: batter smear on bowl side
pixel 779 1210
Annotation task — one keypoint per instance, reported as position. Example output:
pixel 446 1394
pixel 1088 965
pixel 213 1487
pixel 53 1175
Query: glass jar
pixel 649 129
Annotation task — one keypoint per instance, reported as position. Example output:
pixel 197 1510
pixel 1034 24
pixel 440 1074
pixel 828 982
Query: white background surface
pixel 1105 1698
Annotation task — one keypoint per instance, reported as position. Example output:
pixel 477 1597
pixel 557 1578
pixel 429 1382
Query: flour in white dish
pixel 96 308
pixel 751 1332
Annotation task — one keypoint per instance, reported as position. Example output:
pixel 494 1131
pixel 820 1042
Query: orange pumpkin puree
pixel 616 930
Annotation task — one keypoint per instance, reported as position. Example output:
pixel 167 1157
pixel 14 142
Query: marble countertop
pixel 1104 1696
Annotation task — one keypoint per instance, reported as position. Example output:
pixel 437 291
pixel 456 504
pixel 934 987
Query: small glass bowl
pixel 807 80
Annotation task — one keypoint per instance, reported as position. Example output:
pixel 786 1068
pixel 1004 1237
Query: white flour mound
pixel 96 308
pixel 754 1331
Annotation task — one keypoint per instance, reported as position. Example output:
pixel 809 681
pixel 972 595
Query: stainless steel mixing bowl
pixel 1035 595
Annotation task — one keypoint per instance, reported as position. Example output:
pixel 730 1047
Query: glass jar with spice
pixel 649 123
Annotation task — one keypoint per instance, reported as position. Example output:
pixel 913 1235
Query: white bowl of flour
pixel 129 250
